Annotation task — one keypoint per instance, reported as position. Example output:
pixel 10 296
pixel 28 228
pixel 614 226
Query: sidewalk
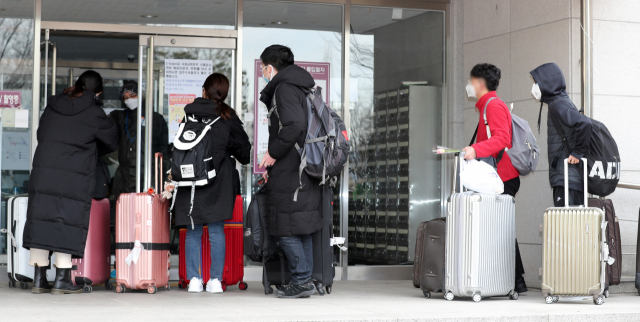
pixel 349 301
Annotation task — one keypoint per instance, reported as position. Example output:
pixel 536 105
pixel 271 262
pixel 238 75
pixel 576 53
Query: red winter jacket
pixel 499 119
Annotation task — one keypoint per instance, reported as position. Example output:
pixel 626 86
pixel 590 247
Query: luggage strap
pixel 147 246
pixel 10 235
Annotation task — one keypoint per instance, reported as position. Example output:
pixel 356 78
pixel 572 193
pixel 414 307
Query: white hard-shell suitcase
pixel 574 250
pixel 480 245
pixel 18 257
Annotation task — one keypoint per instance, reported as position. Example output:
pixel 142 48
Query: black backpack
pixel 193 163
pixel 259 245
pixel 603 158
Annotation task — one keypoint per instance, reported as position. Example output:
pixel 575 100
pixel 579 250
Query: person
pixel 124 180
pixel 73 131
pixel 562 118
pixel 483 84
pixel 213 203
pixel 292 222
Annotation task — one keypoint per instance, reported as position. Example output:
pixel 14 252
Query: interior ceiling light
pixel 279 22
pixel 149 16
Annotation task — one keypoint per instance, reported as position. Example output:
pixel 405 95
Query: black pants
pixel 511 187
pixel 576 198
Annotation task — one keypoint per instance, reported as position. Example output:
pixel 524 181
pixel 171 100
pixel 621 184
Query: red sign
pixel 10 99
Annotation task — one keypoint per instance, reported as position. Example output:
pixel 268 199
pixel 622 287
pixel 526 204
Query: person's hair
pixel 216 88
pixel 277 56
pixel 488 72
pixel 89 80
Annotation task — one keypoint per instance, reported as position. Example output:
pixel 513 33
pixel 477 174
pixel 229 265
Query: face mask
pixel 535 91
pixel 131 103
pixel 267 79
pixel 471 92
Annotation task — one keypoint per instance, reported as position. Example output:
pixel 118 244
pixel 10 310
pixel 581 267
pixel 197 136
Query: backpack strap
pixel 486 124
pixel 558 126
pixel 274 109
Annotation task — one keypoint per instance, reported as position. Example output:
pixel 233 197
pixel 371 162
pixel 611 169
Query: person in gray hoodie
pixel 568 132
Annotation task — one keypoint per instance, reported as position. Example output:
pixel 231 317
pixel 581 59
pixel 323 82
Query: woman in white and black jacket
pixel 213 203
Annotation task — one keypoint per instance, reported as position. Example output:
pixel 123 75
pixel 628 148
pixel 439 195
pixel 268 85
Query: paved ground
pixel 349 301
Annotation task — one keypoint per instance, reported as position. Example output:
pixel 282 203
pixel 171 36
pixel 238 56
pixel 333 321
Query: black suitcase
pixel 432 259
pixel 614 271
pixel 276 273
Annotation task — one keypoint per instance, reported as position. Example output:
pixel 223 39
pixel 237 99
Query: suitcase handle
pixel 159 177
pixel 566 182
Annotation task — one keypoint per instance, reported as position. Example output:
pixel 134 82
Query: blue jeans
pixel 193 258
pixel 299 252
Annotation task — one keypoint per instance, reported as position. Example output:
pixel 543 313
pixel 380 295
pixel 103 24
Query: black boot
pixel 521 286
pixel 40 283
pixel 63 283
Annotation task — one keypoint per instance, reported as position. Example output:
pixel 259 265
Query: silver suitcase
pixel 480 246
pixel 574 250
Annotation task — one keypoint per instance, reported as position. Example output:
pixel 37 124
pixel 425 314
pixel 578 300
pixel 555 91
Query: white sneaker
pixel 195 286
pixel 214 286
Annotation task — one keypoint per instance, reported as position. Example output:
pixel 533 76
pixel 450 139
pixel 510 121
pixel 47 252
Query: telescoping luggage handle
pixel 566 182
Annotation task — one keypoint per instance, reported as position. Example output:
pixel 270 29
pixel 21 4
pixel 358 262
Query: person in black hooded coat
pixel 550 88
pixel 293 221
pixel 73 131
pixel 213 203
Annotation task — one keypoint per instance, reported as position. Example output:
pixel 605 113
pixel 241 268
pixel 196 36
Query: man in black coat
pixel 124 180
pixel 292 220
pixel 568 133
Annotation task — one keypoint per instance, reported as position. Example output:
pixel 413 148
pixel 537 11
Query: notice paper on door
pixel 22 118
pixel 8 117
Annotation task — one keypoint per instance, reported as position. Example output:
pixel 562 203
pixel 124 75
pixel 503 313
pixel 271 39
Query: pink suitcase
pixel 94 267
pixel 143 218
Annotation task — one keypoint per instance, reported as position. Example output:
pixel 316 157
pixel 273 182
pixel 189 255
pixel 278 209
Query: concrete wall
pixel 402 54
pixel 616 29
pixel 517 36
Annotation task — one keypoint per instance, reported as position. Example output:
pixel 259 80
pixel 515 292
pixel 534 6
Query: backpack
pixel 192 162
pixel 259 245
pixel 524 150
pixel 603 158
pixel 326 146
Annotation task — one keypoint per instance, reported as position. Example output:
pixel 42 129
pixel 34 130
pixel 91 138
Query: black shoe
pixel 40 283
pixel 296 291
pixel 63 283
pixel 521 286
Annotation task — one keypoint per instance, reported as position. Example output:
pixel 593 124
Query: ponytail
pixel 216 88
pixel 88 80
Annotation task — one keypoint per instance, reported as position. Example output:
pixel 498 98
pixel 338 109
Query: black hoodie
pixel 575 126
pixel 62 179
pixel 288 217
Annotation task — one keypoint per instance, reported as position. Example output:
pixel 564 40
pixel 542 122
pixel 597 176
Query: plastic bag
pixel 481 177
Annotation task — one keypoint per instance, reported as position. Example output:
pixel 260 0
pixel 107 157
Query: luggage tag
pixel 339 241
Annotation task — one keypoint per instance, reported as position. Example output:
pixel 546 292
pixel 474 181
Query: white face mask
pixel 535 91
pixel 131 103
pixel 471 92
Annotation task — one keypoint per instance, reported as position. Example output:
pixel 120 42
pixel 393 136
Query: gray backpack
pixel 524 151
pixel 326 146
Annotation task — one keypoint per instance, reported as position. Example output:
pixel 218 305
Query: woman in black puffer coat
pixel 73 131
pixel 213 203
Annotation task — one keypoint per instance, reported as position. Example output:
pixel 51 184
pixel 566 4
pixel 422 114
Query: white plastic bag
pixel 480 177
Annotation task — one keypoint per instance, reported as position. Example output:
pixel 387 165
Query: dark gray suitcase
pixel 276 273
pixel 430 262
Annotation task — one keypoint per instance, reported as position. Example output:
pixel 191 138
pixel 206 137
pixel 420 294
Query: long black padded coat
pixel 288 217
pixel 214 202
pixel 62 180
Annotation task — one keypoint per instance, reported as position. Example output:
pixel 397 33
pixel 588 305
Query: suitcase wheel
pixel 167 287
pixel 606 294
pixel 549 299
pixel 599 300
pixel 243 286
pixel 448 296
pixel 87 289
pixel 328 288
pixel 477 297
pixel 224 287
pixel 268 290
pixel 514 295
pixel 152 289
pixel 182 285
pixel 120 288
pixel 427 294
pixel 24 285
pixel 108 286
pixel 12 283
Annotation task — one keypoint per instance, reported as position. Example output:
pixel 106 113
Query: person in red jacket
pixel 493 140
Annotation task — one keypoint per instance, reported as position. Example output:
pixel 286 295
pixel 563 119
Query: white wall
pixel 616 76
pixel 517 36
